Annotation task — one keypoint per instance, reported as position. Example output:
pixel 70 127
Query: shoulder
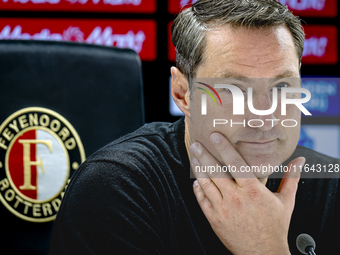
pixel 135 162
pixel 120 196
pixel 320 175
pixel 314 157
pixel 143 156
pixel 319 169
pixel 151 138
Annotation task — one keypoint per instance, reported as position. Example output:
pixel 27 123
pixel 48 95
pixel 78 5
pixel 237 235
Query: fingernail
pixel 302 161
pixel 195 148
pixel 195 183
pixel 195 162
pixel 215 138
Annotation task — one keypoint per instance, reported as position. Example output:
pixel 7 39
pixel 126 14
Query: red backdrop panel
pixel 127 6
pixel 139 35
pixel 321 45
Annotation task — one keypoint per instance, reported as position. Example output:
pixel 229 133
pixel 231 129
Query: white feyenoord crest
pixel 39 151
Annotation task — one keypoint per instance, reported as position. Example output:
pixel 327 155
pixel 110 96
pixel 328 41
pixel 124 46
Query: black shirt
pixel 135 196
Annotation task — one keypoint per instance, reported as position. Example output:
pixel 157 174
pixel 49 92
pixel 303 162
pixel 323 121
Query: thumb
pixel 290 180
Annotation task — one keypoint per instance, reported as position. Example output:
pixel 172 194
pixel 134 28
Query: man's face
pixel 263 59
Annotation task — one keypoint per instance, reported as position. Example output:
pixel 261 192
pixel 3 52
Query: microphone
pixel 305 244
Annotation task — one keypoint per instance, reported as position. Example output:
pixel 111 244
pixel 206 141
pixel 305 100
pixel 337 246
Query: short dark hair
pixel 191 25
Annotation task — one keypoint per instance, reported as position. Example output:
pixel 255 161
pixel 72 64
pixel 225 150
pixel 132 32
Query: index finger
pixel 233 160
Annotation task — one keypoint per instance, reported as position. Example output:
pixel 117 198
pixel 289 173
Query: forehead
pixel 249 52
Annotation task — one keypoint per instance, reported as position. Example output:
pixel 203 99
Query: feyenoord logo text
pixel 39 151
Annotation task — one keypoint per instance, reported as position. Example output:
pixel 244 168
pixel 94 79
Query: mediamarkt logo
pixel 39 151
pixel 97 36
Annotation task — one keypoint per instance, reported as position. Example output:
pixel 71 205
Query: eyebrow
pixel 236 76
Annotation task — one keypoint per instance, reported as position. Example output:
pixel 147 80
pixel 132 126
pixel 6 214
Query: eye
pixel 282 85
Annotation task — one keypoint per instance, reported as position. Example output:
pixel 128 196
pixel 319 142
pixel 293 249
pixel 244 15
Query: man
pixel 135 195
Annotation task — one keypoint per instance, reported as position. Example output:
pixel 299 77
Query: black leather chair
pixel 73 95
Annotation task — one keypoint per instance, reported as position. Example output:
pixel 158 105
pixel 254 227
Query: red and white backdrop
pixel 139 35
pixel 144 26
pixel 125 6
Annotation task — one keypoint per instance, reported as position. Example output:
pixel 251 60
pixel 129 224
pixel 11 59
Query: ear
pixel 180 90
